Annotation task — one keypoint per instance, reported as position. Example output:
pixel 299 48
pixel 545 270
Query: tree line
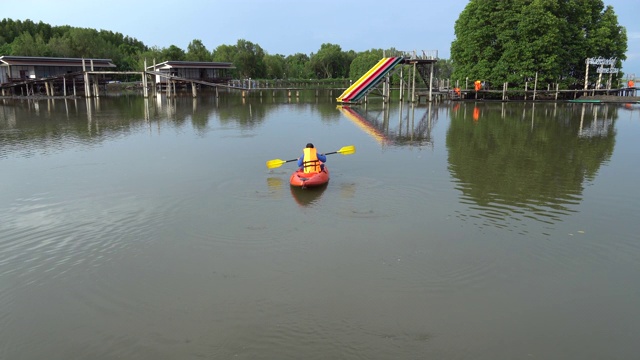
pixel 511 41
pixel 28 38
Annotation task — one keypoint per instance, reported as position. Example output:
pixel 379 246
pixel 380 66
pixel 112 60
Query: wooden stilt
pixel 535 87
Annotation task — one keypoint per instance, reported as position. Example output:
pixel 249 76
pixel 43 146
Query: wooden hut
pixel 22 68
pixel 204 71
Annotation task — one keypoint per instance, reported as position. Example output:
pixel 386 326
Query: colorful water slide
pixel 369 80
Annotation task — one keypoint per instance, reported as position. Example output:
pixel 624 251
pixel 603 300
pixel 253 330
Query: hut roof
pixel 191 65
pixel 53 61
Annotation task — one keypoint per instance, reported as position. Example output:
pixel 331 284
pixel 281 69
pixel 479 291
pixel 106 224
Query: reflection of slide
pixel 364 124
pixel 369 80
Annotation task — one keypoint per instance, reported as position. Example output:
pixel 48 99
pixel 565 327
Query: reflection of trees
pixel 527 160
pixel 39 126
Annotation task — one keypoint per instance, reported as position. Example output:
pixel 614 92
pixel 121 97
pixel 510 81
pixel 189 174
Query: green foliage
pixel 247 57
pixel 173 53
pixel 196 51
pixel 511 41
pixel 27 45
pixel 275 66
pixel 517 164
pixel 297 67
pixel 330 62
pixel 26 38
pixel 251 61
pixel 363 62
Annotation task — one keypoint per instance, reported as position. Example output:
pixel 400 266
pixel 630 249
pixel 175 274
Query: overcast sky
pixel 283 26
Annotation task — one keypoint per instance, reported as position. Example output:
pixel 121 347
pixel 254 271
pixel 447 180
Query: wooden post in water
pixel 193 89
pixel 431 82
pixel 526 85
pixel 535 87
pixel 96 91
pixel 64 86
pixel 413 87
pixel 401 82
pixel 87 89
pixel 586 78
pixel 504 91
pixel 155 79
pixel 145 91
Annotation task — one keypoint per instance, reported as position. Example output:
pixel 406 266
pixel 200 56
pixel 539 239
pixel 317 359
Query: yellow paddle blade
pixel 347 150
pixel 272 164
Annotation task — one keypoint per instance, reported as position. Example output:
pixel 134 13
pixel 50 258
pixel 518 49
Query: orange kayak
pixel 300 179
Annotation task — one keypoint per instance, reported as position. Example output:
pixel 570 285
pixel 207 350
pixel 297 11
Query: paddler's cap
pixel 310 145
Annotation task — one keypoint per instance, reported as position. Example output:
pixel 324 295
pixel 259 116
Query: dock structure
pixel 53 77
pixel 42 76
pixel 420 64
pixel 30 75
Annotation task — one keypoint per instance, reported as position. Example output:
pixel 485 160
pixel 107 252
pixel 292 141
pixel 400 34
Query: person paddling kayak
pixel 311 161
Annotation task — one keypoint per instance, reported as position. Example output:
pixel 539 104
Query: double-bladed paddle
pixel 345 150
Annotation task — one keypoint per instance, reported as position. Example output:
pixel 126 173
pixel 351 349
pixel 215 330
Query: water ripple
pixel 43 234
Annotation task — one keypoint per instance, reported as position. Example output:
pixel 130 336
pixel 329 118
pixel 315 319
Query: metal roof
pixel 53 61
pixel 191 65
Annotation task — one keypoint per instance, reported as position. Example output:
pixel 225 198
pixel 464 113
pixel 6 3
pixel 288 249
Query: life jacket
pixel 311 164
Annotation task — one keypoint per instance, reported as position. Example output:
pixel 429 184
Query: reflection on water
pixel 514 162
pixel 307 196
pixel 509 161
pixel 410 129
pixel 151 229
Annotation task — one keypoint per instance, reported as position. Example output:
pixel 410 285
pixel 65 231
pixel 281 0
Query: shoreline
pixel 583 99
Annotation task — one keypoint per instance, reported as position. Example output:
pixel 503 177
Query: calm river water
pixel 152 229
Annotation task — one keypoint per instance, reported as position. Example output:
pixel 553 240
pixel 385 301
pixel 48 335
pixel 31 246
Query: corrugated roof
pixel 53 61
pixel 192 65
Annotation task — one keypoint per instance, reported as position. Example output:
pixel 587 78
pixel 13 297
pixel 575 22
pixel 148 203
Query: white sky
pixel 283 26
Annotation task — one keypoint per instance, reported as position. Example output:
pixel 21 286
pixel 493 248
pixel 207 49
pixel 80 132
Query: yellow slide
pixel 361 80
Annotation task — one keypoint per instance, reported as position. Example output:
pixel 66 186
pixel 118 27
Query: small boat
pixel 300 179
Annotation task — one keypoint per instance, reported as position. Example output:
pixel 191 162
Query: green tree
pixel 275 65
pixel 173 53
pixel 511 41
pixel 297 67
pixel 27 45
pixel 60 46
pixel 151 55
pixel 249 60
pixel 330 62
pixel 196 51
pixel 224 53
pixel 363 62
